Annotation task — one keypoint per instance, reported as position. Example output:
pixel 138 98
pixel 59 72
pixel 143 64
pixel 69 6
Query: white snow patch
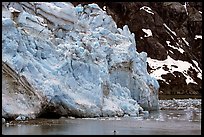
pixel 169 29
pixel 148 32
pixel 199 75
pixel 147 9
pixel 171 51
pixel 179 49
pixel 184 39
pixel 185 7
pixel 198 37
pixel 200 12
pixel 189 80
pixel 104 7
pixel 183 66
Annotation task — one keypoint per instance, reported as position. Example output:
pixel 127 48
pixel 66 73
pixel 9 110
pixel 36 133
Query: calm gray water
pixel 164 122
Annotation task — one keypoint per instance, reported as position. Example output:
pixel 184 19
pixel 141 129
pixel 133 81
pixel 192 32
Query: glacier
pixel 71 61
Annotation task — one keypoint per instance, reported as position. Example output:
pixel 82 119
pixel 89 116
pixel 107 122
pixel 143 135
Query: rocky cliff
pixel 61 60
pixel 171 34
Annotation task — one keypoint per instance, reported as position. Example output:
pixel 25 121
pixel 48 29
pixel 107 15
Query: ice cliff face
pixel 72 61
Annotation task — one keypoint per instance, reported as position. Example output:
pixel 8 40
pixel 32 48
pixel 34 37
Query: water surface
pixel 163 122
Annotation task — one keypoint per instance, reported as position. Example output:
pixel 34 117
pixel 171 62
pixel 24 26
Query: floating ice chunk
pixel 20 117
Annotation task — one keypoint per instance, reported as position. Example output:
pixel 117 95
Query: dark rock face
pixel 177 22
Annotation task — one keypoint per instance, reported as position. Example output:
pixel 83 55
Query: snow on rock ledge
pixel 76 59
